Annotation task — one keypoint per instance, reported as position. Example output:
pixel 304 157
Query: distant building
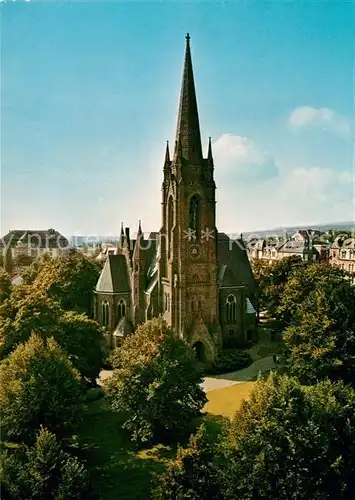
pixel 198 279
pixel 342 253
pixel 306 244
pixel 17 279
pixel 33 243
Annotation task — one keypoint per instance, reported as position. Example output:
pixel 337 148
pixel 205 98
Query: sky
pixel 89 97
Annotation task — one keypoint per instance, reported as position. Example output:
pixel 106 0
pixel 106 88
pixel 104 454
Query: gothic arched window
pixel 121 307
pixel 194 217
pixel 231 309
pixel 105 313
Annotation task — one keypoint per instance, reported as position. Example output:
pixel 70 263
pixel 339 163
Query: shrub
pixel 156 382
pixel 230 360
pixel 94 394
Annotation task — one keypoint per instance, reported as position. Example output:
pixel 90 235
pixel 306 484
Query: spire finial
pixel 188 38
pixel 122 231
pixel 139 228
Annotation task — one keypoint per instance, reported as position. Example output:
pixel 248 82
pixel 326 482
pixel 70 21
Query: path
pixel 261 365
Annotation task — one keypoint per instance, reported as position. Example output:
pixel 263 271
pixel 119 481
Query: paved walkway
pixel 261 365
pixel 227 379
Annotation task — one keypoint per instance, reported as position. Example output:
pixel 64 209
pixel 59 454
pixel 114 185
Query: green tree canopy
pixel 38 386
pixel 303 281
pixel 272 278
pixel 81 337
pixel 43 471
pixel 5 285
pixel 70 280
pixel 292 442
pixel 156 381
pixel 193 474
pixel 321 341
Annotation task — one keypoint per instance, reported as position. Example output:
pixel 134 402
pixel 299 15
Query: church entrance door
pixel 200 351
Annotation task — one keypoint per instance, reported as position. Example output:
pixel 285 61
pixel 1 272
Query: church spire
pixel 209 153
pixel 167 154
pixel 188 127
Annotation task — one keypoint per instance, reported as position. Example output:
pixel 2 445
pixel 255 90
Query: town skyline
pixel 93 108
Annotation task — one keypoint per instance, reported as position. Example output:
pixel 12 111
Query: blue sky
pixel 89 95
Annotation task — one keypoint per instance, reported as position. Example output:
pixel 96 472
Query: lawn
pixel 226 401
pixel 119 470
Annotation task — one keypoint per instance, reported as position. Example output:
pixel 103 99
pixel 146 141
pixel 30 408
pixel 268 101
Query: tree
pixel 193 474
pixel 32 271
pixel 39 386
pixel 303 281
pixel 321 341
pixel 81 337
pixel 292 442
pixel 272 278
pixel 261 271
pixel 69 280
pixel 43 471
pixel 83 340
pixel 23 260
pixel 5 285
pixel 157 382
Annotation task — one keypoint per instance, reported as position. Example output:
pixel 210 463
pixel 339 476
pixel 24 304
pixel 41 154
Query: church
pixel 198 279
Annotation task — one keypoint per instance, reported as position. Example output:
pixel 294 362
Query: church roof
pixel 250 307
pixel 123 328
pixel 114 276
pixel 233 264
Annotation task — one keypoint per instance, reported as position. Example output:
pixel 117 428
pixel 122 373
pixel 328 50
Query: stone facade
pixel 342 254
pixel 199 280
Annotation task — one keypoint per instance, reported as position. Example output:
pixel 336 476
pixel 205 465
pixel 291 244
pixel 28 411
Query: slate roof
pixel 295 246
pixel 233 264
pixel 49 238
pixel 114 276
pixel 123 328
pixel 233 267
pixel 250 307
pixel 343 242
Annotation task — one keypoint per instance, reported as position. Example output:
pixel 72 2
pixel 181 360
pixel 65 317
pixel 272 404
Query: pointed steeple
pixel 188 127
pixel 209 153
pixel 137 254
pixel 167 154
pixel 121 240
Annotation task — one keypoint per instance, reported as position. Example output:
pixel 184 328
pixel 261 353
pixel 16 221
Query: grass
pixel 226 401
pixel 121 471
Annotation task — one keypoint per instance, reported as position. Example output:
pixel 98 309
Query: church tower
pixel 188 236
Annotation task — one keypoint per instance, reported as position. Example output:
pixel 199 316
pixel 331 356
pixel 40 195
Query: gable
pixel 114 276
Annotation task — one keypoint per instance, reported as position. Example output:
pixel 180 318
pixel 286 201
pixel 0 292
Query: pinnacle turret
pixel 209 153
pixel 167 154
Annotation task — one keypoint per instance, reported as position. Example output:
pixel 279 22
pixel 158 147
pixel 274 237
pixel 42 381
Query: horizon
pixel 92 97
